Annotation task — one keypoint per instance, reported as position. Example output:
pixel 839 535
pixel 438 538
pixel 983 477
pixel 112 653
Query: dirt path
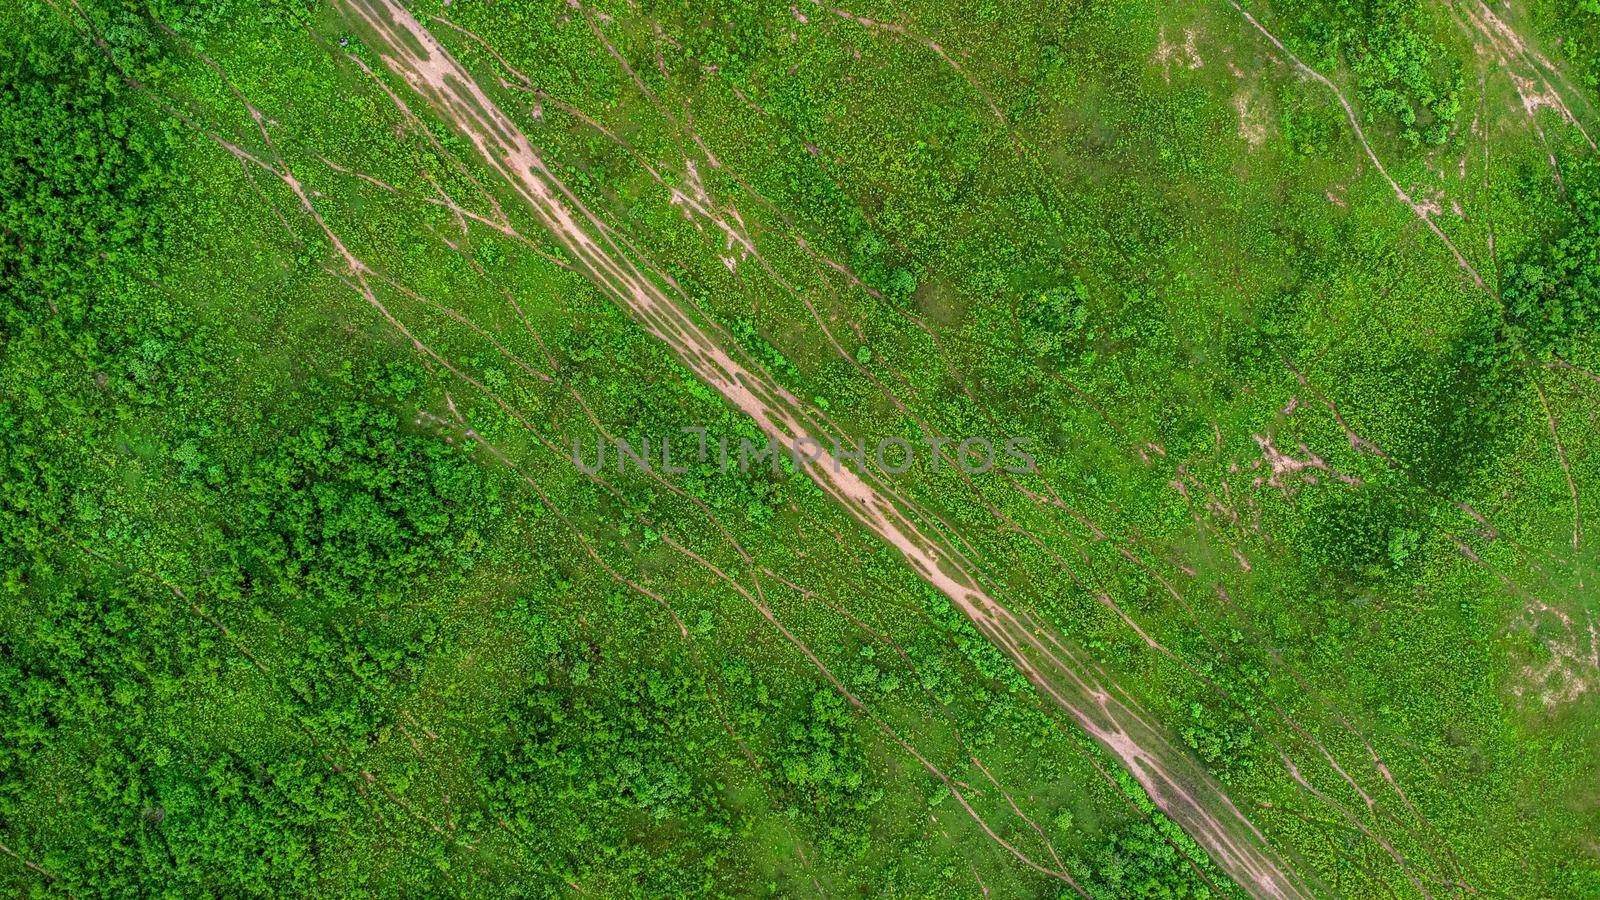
pixel 1178 785
pixel 30 865
pixel 1420 210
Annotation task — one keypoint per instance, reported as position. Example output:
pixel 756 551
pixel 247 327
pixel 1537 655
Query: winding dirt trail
pixel 1421 210
pixel 1171 777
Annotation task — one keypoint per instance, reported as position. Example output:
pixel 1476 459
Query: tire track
pixel 1173 780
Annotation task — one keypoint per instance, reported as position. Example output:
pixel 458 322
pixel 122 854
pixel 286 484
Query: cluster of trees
pixel 350 510
pixel 1138 861
pixel 99 769
pixel 81 169
pixel 83 173
pixel 824 763
pixel 1401 70
pixel 1577 38
pixel 1151 857
pixel 601 777
pixel 112 758
pixel 333 541
pixel 108 677
pixel 1552 295
pixel 119 771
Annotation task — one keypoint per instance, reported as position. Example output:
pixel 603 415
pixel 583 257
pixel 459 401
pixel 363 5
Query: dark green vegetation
pixel 294 606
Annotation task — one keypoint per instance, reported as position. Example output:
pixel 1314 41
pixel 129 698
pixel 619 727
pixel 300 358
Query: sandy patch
pixel 1252 127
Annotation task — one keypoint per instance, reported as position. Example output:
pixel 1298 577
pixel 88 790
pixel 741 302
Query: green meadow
pixel 1296 306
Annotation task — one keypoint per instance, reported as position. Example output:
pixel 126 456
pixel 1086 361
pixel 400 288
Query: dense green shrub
pixel 82 169
pixel 1552 295
pixel 350 508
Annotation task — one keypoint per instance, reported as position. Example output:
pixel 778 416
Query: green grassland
pixel 303 594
